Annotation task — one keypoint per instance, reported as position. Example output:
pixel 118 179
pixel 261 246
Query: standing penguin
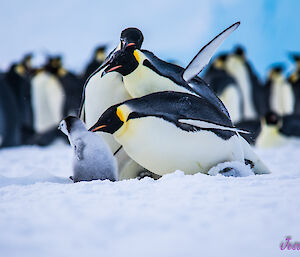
pixel 100 92
pixel 176 131
pixel 47 101
pixel 238 66
pixel 225 87
pixel 92 157
pixel 10 125
pixel 294 79
pixel 280 93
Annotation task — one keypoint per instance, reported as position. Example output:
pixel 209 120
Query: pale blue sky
pixel 173 29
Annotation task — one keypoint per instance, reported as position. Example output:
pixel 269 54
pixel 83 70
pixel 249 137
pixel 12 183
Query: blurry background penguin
pixel 251 87
pixel 279 93
pixel 97 60
pixel 56 93
pixel 294 79
pixel 278 130
pixel 10 123
pixel 225 86
pixel 18 78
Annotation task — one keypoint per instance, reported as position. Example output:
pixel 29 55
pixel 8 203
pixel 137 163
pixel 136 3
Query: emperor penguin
pixel 238 66
pixel 92 157
pixel 294 80
pixel 100 92
pixel 144 73
pixel 280 93
pixel 47 98
pixel 166 131
pixel 226 87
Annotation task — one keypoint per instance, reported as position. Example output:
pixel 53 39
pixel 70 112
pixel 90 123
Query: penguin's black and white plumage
pixel 144 73
pixel 92 157
pixel 278 130
pixel 101 92
pixel 226 87
pixel 280 92
pixel 251 87
pixel 48 99
pixel 166 131
pixel 10 122
pixel 294 80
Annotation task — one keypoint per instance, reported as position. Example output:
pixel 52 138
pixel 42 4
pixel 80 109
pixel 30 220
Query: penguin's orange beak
pixel 97 128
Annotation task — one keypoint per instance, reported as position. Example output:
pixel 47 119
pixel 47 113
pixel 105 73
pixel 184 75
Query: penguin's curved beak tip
pixel 129 44
pixel 107 70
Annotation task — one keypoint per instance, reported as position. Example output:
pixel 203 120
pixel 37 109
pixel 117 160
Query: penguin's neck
pixel 143 81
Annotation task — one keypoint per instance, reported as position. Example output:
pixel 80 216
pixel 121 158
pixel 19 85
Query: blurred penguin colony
pixel 35 99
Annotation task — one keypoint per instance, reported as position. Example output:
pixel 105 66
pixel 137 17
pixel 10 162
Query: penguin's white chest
pixel 162 148
pixel 100 94
pixel 144 81
pixel 282 99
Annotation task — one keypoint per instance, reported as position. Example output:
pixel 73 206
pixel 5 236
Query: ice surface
pixel 43 214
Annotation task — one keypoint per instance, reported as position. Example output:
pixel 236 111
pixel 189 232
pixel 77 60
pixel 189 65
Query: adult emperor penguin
pixel 92 157
pixel 166 131
pixel 238 66
pixel 100 92
pixel 226 87
pixel 47 100
pixel 294 79
pixel 280 93
pixel 144 73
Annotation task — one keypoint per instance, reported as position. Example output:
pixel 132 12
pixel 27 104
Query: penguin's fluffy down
pixel 92 158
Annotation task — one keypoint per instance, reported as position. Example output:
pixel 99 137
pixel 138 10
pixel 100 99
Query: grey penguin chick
pixel 92 158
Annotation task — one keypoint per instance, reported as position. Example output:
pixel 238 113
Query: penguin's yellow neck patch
pixel 136 55
pixel 122 112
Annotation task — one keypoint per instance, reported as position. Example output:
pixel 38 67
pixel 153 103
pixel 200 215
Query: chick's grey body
pixel 92 158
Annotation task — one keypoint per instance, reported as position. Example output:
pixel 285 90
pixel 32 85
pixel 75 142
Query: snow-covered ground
pixel 43 214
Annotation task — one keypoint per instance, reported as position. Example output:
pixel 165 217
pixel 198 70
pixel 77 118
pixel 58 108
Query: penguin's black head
pixel 66 124
pixel 123 61
pixel 272 118
pixel 239 51
pixel 131 37
pixel 53 64
pixel 110 121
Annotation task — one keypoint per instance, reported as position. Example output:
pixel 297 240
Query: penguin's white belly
pixel 231 99
pixel 100 94
pixel 162 148
pixel 282 98
pixel 47 101
pixel 144 81
pixel 241 75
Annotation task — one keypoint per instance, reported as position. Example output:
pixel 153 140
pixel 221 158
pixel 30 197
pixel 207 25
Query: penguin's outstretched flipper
pixel 205 54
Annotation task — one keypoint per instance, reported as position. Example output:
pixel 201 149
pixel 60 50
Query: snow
pixel 43 214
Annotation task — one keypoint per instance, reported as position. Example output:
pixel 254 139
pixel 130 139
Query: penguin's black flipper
pixel 205 54
pixel 291 125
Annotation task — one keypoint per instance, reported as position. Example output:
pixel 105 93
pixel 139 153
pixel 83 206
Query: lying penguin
pixel 92 157
pixel 278 131
pixel 166 131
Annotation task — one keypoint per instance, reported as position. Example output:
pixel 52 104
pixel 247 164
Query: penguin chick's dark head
pixel 68 124
pixel 124 61
pixel 131 37
pixel 110 121
pixel 272 118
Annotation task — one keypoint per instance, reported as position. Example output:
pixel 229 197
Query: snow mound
pixel 231 169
